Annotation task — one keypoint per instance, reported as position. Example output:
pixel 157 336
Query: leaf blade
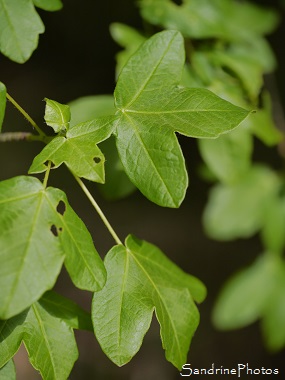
pixel 151 107
pixel 57 115
pixel 140 287
pixel 78 150
pixel 20 28
pixel 48 5
pixel 24 213
pixel 50 344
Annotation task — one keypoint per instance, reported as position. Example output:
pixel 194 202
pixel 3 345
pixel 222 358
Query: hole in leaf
pixel 60 208
pixel 97 160
pixel 54 230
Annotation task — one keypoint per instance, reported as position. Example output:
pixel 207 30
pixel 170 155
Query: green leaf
pixel 229 20
pixel 57 115
pixel 91 107
pixel 78 150
pixel 127 37
pixel 26 213
pixel 49 341
pixel 229 156
pixel 11 335
pixel 140 280
pixel 245 67
pixel 48 231
pixel 50 344
pixel 117 184
pixel 20 26
pixel 262 125
pixel 272 233
pixel 66 310
pixel 245 296
pixel 48 5
pixel 238 210
pixel 8 372
pixel 151 108
pixel 273 327
pixel 2 103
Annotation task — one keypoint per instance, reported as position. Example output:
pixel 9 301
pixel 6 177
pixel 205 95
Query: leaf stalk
pixel 26 115
pixel 98 209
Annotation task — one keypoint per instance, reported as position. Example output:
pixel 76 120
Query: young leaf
pixel 151 108
pixel 246 200
pixel 2 103
pixel 245 296
pixel 48 5
pixel 8 372
pixel 78 150
pixel 20 26
pixel 45 235
pixel 57 115
pixel 141 279
pixel 117 185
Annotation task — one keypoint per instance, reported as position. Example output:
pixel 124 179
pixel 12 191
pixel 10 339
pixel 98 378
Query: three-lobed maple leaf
pixel 141 280
pixel 152 106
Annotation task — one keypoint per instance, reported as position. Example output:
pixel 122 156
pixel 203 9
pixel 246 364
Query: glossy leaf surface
pixel 142 279
pixel 48 231
pixel 151 108
pixel 78 150
pixel 20 26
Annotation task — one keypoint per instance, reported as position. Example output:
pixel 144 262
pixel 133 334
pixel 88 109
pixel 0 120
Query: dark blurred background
pixel 76 58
